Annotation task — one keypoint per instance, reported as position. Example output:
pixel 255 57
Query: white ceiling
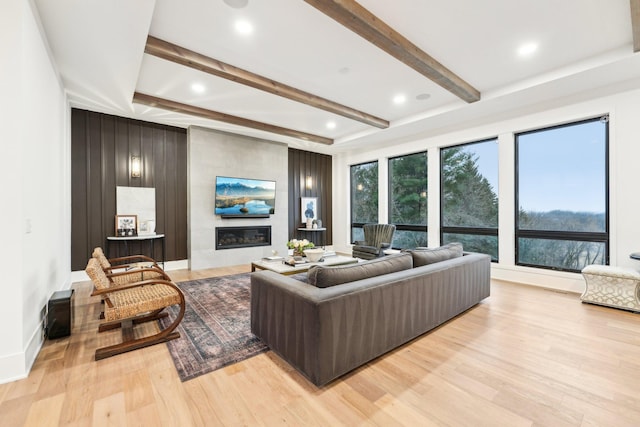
pixel 584 48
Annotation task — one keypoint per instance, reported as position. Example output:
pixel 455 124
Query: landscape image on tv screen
pixel 241 196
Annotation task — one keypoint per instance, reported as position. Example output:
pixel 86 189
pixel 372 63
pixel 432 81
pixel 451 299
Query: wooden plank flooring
pixel 523 357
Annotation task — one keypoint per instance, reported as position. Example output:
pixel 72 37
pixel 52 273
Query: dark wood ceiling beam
pixel 166 104
pixel 635 24
pixel 362 22
pixel 180 55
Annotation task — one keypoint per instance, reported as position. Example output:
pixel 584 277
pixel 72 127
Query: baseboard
pixel 12 368
pixel 182 264
pixel 79 276
pixel 34 346
pixel 549 279
pixel 17 366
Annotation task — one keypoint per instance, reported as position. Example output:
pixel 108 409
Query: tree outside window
pixel 408 199
pixel 562 196
pixel 469 196
pixel 364 197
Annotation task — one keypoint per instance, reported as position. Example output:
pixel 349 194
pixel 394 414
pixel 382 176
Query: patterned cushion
pixel 425 256
pixel 324 277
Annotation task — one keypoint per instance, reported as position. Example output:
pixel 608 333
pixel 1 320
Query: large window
pixel 562 196
pixel 408 199
pixel 469 196
pixel 364 197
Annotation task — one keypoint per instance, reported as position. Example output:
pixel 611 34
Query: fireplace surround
pixel 243 237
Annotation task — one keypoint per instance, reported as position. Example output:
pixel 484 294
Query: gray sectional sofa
pixel 348 315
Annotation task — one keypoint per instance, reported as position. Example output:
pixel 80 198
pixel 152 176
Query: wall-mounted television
pixel 243 197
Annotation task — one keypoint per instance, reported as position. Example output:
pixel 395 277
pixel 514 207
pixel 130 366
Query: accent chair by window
pixel 377 238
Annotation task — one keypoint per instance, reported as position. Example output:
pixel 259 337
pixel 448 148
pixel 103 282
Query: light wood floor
pixel 523 357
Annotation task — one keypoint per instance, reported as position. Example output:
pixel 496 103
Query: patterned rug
pixel 215 331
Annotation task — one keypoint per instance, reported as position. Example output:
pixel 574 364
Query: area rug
pixel 215 331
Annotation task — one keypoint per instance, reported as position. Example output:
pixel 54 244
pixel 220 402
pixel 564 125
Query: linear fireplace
pixel 243 237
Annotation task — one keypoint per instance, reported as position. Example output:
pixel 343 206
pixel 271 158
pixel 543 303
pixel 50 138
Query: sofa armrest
pixel 284 316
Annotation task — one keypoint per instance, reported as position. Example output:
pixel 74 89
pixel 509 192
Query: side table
pixel 150 238
pixel 322 235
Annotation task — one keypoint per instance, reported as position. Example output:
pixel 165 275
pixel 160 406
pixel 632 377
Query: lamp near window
pixel 136 167
pixel 308 182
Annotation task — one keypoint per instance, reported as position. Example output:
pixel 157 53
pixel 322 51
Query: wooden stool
pixel 611 286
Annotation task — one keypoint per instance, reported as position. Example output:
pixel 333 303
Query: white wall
pixel 624 152
pixel 213 153
pixel 35 165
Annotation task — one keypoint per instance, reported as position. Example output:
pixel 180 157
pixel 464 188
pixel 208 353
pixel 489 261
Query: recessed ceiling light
pixel 244 27
pixel 236 4
pixel 331 125
pixel 423 97
pixel 198 88
pixel 527 49
pixel 399 99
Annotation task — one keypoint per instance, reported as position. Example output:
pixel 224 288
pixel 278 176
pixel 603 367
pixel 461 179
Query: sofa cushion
pixel 324 277
pixel 425 256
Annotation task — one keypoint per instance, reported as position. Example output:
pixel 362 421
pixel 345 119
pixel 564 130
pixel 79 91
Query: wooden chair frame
pixel 124 263
pixel 129 343
pixel 154 310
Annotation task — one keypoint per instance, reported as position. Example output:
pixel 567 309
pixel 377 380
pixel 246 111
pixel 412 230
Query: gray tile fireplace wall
pixel 215 153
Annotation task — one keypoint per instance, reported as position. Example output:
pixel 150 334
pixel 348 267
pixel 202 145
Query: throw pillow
pixel 425 256
pixel 324 277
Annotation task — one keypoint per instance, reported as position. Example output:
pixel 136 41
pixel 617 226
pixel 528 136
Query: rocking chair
pixel 131 304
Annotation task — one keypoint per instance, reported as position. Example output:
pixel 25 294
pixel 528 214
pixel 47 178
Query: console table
pixel 150 239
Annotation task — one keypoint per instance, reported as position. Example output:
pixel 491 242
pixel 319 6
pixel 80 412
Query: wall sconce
pixel 308 182
pixel 136 167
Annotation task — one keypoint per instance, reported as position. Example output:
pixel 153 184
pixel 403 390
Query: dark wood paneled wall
pixel 101 146
pixel 319 168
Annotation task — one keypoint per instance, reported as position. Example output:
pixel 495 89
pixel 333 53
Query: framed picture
pixel 308 208
pixel 126 225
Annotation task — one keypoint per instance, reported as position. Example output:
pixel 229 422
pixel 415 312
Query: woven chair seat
pixel 129 303
pixel 137 275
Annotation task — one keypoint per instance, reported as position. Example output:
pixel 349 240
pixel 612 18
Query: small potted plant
pixel 299 246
